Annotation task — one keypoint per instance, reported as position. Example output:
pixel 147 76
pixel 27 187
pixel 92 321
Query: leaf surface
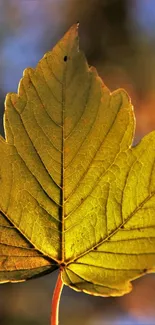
pixel 73 191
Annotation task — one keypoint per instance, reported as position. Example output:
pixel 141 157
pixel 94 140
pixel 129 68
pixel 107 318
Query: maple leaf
pixel 74 193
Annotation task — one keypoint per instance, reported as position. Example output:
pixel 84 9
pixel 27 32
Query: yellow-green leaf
pixel 74 192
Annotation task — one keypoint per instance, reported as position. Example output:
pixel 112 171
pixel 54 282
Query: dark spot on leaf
pixel 62 265
pixel 145 270
pixel 65 58
pixel 95 248
pixel 122 227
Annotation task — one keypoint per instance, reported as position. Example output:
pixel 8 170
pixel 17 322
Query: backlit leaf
pixel 74 192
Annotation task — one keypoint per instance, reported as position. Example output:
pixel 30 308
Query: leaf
pixel 74 193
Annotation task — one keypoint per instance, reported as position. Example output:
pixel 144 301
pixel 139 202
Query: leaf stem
pixel 56 301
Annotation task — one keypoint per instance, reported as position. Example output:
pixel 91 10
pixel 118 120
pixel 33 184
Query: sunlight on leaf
pixel 74 192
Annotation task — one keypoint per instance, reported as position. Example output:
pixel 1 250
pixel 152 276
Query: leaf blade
pixel 88 196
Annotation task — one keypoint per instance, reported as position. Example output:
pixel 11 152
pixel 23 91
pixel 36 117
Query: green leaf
pixel 73 192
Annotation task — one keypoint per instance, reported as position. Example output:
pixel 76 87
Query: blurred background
pixel 118 37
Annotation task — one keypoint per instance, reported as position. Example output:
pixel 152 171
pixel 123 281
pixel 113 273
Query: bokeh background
pixel 118 37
